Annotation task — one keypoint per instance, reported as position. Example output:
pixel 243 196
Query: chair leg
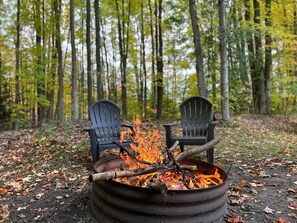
pixel 181 148
pixel 210 155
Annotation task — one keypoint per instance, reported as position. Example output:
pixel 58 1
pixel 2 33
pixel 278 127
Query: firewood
pixel 108 175
pixel 160 186
pixel 172 165
pixel 196 150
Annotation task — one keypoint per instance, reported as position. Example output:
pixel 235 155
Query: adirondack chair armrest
pixel 94 143
pixel 211 127
pixel 169 126
pixel 130 126
pixel 168 131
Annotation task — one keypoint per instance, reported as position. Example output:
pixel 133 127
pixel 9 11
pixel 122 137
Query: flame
pixel 148 148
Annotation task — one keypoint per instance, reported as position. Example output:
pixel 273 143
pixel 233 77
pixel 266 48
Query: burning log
pixel 128 173
pixel 109 175
pixel 197 149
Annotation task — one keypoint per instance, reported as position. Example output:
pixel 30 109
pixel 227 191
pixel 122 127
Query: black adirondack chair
pixel 105 127
pixel 196 123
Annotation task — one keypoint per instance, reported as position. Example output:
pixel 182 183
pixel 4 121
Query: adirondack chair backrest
pixel 105 119
pixel 195 116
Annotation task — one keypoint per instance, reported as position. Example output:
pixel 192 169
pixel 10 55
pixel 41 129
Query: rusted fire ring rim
pixel 223 174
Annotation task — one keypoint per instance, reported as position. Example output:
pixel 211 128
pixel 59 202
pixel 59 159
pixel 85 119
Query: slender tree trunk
pixel 82 70
pixel 268 56
pixel 40 73
pixel 159 63
pixel 252 59
pixel 60 101
pixel 123 31
pixel 152 57
pixel 17 64
pixel 259 64
pixel 73 65
pixel 89 59
pixel 98 51
pixel 143 62
pixel 224 62
pixel 198 48
pixel 52 78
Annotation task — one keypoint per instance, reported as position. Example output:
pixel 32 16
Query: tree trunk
pixel 252 59
pixel 159 63
pixel 259 60
pixel 39 71
pixel 153 85
pixel 98 51
pixel 224 62
pixel 60 102
pixel 124 48
pixel 73 65
pixel 89 59
pixel 268 56
pixel 17 64
pixel 143 59
pixel 198 48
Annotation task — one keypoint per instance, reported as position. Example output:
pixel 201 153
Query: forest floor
pixel 44 172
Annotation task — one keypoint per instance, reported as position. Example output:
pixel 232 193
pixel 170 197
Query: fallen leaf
pixel 233 219
pixel 4 213
pixel 293 190
pixel 280 220
pixel 268 210
pixel 243 182
pixel 293 206
pixel 3 191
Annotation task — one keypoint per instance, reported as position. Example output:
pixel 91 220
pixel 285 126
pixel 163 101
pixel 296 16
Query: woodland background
pixel 57 57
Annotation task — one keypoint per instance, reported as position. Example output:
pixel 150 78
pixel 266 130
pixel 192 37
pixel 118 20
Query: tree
pixel 259 72
pixel 198 48
pixel 39 67
pixel 123 36
pixel 73 65
pixel 60 101
pixel 17 63
pixel 89 53
pixel 224 62
pixel 159 51
pixel 268 56
pixel 98 51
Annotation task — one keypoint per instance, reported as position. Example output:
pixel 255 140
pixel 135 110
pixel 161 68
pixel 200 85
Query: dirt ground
pixel 40 183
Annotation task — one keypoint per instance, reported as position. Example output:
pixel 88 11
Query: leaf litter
pixel 44 172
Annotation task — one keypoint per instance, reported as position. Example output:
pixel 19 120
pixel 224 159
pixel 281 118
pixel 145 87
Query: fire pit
pixel 118 202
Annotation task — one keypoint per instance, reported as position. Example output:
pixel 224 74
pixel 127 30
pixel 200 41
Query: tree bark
pixel 143 59
pixel 60 102
pixel 89 59
pixel 100 94
pixel 153 85
pixel 260 103
pixel 123 31
pixel 39 70
pixel 268 56
pixel 17 64
pixel 159 63
pixel 224 62
pixel 73 65
pixel 251 56
pixel 198 48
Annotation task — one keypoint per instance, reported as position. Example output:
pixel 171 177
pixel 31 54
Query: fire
pixel 148 152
